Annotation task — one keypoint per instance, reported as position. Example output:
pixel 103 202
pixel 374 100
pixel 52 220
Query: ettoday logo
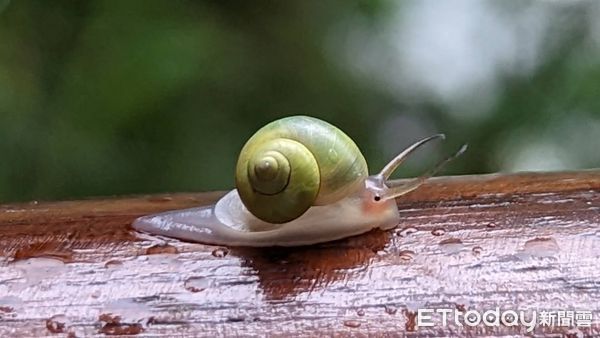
pixel 496 317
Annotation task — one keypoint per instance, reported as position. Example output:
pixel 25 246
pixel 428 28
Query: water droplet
pixel 220 252
pixel 541 247
pixel 360 312
pixel 406 255
pixel 451 245
pixel 125 311
pixel 438 232
pixel 411 320
pixel 114 327
pixel 9 305
pixel 352 323
pixel 6 309
pixel 477 250
pixel 574 333
pixel 236 319
pixel 113 264
pixel 406 232
pixel 197 284
pixel 72 334
pixel 390 310
pixel 56 324
pixel 161 249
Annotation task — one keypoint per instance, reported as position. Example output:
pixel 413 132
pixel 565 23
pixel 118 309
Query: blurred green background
pixel 126 97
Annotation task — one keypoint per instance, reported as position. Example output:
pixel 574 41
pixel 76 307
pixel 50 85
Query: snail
pixel 299 181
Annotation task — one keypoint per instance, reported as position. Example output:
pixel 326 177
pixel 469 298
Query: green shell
pixel 294 163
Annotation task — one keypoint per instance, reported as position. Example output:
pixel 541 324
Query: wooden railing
pixel 524 242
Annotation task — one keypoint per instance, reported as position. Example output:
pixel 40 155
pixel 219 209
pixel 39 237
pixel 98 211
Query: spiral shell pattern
pixel 294 163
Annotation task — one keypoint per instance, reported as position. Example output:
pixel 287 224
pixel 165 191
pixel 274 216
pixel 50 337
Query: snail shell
pixel 299 181
pixel 294 163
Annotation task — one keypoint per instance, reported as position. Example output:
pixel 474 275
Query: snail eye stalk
pixel 392 190
pixel 389 169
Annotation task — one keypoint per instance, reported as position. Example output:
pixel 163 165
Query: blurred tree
pixel 120 97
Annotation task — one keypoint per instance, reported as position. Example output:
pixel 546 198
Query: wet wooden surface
pixel 522 241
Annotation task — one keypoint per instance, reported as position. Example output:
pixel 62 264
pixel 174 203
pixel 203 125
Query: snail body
pixel 299 181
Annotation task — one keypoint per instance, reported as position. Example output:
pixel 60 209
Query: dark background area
pixel 128 97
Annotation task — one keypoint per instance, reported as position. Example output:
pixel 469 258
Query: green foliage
pixel 123 97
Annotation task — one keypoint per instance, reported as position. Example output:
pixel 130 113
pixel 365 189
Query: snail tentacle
pixel 395 191
pixel 387 171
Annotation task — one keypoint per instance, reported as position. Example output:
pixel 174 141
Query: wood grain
pixel 520 241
